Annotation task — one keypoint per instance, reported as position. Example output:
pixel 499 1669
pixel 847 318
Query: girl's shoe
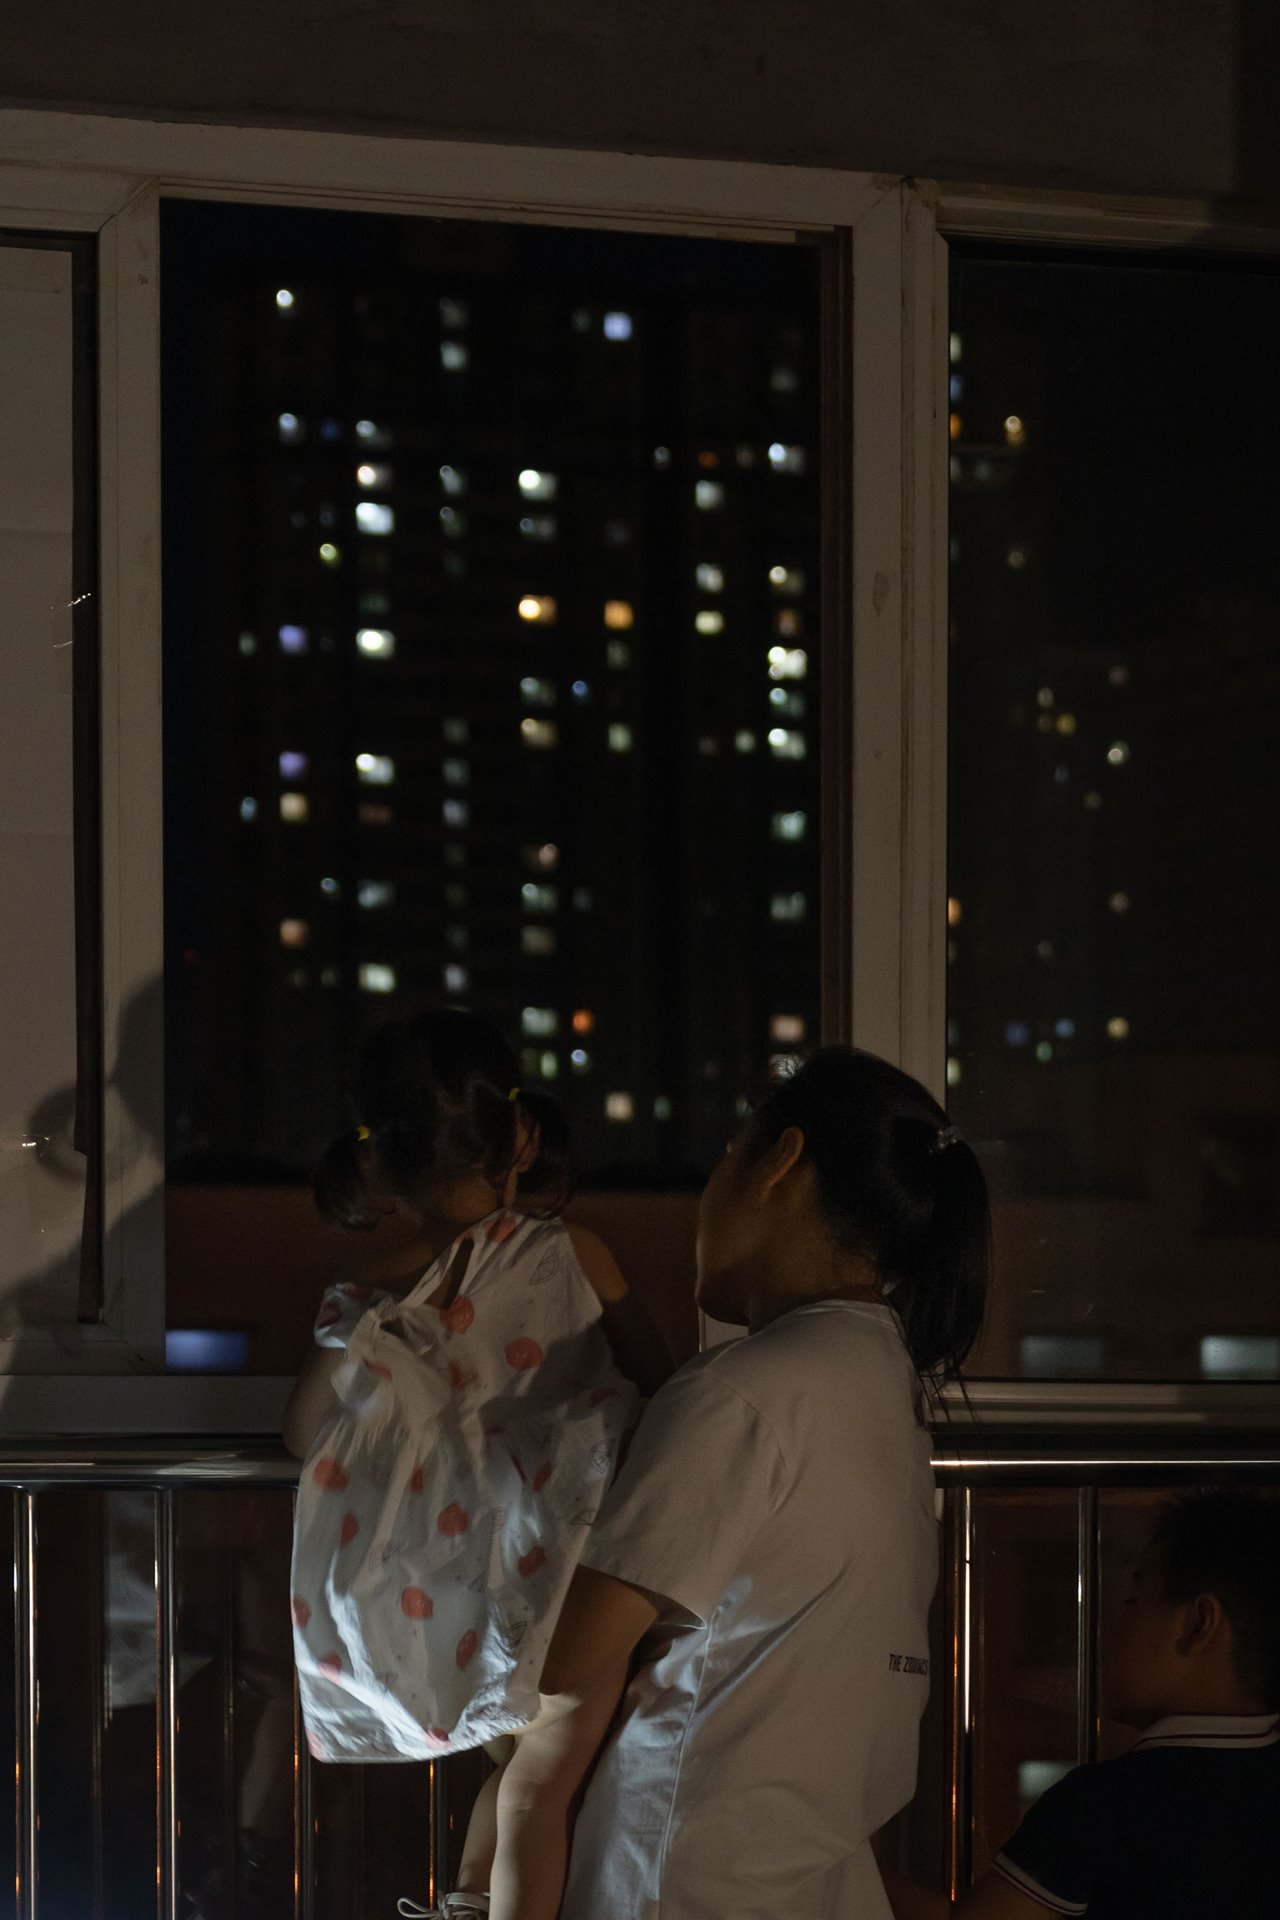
pixel 457 1906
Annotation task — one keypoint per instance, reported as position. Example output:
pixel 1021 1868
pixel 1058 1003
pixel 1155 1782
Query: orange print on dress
pixel 350 1528
pixel 330 1474
pixel 330 1663
pixel 466 1649
pixel 453 1520
pixel 437 1736
pixel 301 1611
pixel 459 1316
pixel 460 1377
pixel 415 1604
pixel 523 1354
pixel 600 1394
pixel 356 1290
pixel 375 1366
pixel 502 1229
pixel 529 1563
pixel 542 1476
pixel 415 1480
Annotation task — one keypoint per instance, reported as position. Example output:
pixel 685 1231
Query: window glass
pixel 1114 919
pixel 491 677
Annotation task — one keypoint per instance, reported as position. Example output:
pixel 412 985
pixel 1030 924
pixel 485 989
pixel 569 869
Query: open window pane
pixel 491 679
pixel 1114 1031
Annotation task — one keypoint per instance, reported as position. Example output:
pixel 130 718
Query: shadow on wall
pixel 1257 167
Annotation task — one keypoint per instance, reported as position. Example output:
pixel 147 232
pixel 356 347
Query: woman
pixel 764 1564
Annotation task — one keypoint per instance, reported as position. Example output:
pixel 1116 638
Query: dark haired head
pixel 437 1101
pixel 1228 1545
pixel 898 1187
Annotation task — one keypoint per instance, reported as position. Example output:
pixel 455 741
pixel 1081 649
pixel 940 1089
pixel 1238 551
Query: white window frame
pixel 88 174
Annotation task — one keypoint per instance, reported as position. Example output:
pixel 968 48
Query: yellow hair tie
pixel 362 1134
pixel 514 1094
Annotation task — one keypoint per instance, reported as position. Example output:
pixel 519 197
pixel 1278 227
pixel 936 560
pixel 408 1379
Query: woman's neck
pixel 805 1272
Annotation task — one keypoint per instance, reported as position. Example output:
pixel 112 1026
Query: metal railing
pixel 972 1466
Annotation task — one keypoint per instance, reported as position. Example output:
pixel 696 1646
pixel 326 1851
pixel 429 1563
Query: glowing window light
pixel 538 899
pixel 294 933
pixel 537 485
pixel 789 622
pixel 1014 430
pixel 376 769
pixel 791 825
pixel 538 733
pixel 1017 1033
pixel 580 1060
pixel 785 702
pixel 616 326
pixel 293 639
pixel 788 663
pixel 662 456
pixel 452 523
pixel 786 743
pixel 662 1107
pixel 285 300
pixel 583 1020
pixel 1240 1356
pixel 290 429
pixel 455 813
pixel 1117 1027
pixel 708 495
pixel 789 1029
pixel 453 356
pixel 376 977
pixel 953 1071
pixel 543 859
pixel 248 808
pixel 784 380
pixel 620 738
pixel 619 615
pixel 1065 1029
pixel 1118 753
pixel 374 516
pixel 457 773
pixel 784 459
pixel 539 1022
pixel 1119 903
pixel 549 1066
pixel 456 730
pixel 293 766
pixel 708 746
pixel 372 894
pixel 538 941
pixel 456 978
pixel 453 480
pixel 955 349
pixel 538 608
pixel 1093 801
pixel 617 654
pixel 786 579
pixel 372 435
pixel 537 692
pixel 294 807
pixel 955 426
pixel 376 643
pixel 1044 698
pixel 1016 558
pixel 1044 1052
pixel 1118 677
pixel 619 1106
pixel 709 620
pixel 955 912
pixel 453 313
pixel 374 474
pixel 539 526
pixel 710 579
pixel 330 555
pixel 787 908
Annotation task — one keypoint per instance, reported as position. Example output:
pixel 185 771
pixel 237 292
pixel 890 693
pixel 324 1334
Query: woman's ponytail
pixel 941 1296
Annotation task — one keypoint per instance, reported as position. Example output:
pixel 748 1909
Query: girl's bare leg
pixel 475 1870
pixel 537 1796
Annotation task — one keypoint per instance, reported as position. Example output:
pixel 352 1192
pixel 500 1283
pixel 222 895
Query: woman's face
pixel 729 1228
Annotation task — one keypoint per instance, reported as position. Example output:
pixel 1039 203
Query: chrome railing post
pixel 1086 1623
pixel 26 1703
pixel 960 1755
pixel 166 1709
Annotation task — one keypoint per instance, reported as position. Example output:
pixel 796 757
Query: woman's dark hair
pixel 1228 1544
pixel 897 1186
pixel 437 1098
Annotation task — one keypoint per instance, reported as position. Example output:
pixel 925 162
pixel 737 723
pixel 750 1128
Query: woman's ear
pixel 1202 1626
pixel 780 1159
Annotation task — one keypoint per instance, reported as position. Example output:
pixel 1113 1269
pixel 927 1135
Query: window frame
pixel 885 513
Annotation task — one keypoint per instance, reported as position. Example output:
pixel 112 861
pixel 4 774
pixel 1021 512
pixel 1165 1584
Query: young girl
pixel 459 1429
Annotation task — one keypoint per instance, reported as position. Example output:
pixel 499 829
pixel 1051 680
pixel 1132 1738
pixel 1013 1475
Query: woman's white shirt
pixel 778 1498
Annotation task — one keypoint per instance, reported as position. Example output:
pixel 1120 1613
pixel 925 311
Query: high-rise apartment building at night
pixel 492 668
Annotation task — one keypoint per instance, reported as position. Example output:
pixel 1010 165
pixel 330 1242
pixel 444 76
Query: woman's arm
pixel 638 1347
pixel 600 1624
pixel 312 1400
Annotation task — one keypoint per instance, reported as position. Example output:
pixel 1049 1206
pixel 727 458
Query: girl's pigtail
pixel 339 1186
